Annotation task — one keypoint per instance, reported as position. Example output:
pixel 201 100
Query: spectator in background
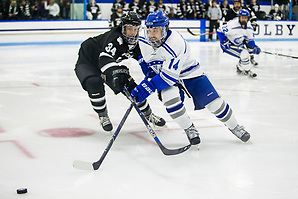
pixel 53 8
pixel 214 14
pixel 203 11
pixel 181 9
pixel 149 7
pixel 115 18
pixel 161 6
pixel 25 13
pixel 172 14
pixel 13 11
pixel 193 10
pixel 93 11
pixel 35 10
pixel 64 9
pixel 275 13
pixel 116 4
pixel 41 9
pixel 224 7
pixel 136 7
pixel 233 12
pixel 206 6
pixel 255 7
pixel 1 10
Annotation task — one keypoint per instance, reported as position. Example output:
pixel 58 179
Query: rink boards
pixel 64 32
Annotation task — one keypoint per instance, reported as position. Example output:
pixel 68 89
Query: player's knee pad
pixel 94 85
pixel 244 60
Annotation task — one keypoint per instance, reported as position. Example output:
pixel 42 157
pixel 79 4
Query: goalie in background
pixel 98 64
pixel 237 39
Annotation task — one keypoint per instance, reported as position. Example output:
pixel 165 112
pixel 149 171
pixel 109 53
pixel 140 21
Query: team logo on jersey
pixel 238 40
pixel 120 41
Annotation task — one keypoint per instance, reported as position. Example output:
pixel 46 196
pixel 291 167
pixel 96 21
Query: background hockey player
pixel 233 37
pixel 167 60
pixel 98 64
pixel 234 13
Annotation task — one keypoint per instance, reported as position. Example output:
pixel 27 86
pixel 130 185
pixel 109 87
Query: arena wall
pixel 74 32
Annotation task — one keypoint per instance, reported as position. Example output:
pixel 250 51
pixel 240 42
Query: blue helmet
pixel 244 12
pixel 155 19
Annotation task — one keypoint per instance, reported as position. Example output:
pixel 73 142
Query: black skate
pixel 155 120
pixel 253 61
pixel 193 135
pixel 241 133
pixel 106 123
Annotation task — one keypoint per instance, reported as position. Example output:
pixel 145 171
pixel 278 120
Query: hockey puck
pixel 21 190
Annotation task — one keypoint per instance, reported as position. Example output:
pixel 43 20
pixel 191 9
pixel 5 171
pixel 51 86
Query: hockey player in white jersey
pixel 233 36
pixel 167 61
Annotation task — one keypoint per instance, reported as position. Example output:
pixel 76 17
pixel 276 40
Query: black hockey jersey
pixel 231 14
pixel 107 50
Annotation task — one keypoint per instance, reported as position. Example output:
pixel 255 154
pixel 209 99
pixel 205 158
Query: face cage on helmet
pixel 130 40
pixel 159 42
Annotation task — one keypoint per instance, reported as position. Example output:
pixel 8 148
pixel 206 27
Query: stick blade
pixel 174 151
pixel 78 164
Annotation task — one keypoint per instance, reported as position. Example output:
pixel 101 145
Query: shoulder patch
pixel 120 41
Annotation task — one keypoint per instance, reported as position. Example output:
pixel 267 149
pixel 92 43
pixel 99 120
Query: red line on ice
pixel 20 147
pixel 142 137
pixel 1 130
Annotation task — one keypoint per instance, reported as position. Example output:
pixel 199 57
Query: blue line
pixel 42 43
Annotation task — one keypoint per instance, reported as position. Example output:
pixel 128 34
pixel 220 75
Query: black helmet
pixel 130 18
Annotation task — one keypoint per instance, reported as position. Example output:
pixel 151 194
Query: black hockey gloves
pixel 117 77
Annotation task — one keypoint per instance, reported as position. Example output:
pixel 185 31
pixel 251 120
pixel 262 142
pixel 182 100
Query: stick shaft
pixel 97 164
pixel 164 150
pixel 194 34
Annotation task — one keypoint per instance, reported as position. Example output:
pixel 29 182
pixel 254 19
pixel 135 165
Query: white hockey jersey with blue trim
pixel 235 33
pixel 173 60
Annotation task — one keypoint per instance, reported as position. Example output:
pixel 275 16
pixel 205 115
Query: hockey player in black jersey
pixel 98 64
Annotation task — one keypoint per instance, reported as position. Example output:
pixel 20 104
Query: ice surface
pixel 46 122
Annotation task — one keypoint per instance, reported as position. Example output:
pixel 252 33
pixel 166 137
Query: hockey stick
pixel 278 54
pixel 194 34
pixel 78 164
pixel 165 150
pixel 266 52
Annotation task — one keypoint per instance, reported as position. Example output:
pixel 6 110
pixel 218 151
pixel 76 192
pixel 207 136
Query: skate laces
pixel 191 132
pixel 153 118
pixel 104 120
pixel 239 131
